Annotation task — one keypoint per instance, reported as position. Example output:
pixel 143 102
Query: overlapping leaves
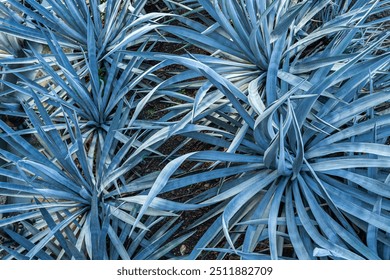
pixel 282 100
pixel 290 114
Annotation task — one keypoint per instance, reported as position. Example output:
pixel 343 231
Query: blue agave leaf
pixel 10 208
pixel 20 144
pixel 139 241
pixel 160 183
pixel 67 246
pixel 13 253
pixel 35 250
pixel 87 180
pixel 372 231
pixel 312 11
pixel 47 20
pixel 94 225
pixel 272 71
pixel 253 232
pixel 27 245
pixel 285 21
pixel 341 73
pixel 223 20
pixel 149 251
pixel 109 139
pixel 222 84
pixel 162 204
pixel 68 25
pixel 272 218
pixel 315 180
pixel 136 185
pixel 78 11
pixel 370 183
pixel 118 244
pixel 92 62
pixel 356 130
pixel 347 163
pixel 70 234
pixel 349 235
pixel 52 176
pixel 130 38
pixel 169 246
pixel 340 115
pixel 102 249
pixel 19 217
pixel 239 21
pixel 292 226
pixel 239 200
pixel 351 147
pixel 319 215
pixel 127 218
pixel 315 235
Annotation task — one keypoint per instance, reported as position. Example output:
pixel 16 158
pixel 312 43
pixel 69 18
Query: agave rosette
pixel 301 139
pixel 74 210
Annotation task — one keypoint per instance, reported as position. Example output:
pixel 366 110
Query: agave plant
pixel 298 129
pixel 74 211
pixel 72 20
pixel 290 111
pixel 81 141
pixel 69 163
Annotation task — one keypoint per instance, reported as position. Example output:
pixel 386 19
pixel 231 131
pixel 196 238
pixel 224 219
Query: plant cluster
pixel 137 129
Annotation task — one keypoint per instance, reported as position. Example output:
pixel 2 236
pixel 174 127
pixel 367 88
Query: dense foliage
pixel 195 129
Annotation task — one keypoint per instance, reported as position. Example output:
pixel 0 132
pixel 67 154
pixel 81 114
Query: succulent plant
pixel 294 110
pixel 281 108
